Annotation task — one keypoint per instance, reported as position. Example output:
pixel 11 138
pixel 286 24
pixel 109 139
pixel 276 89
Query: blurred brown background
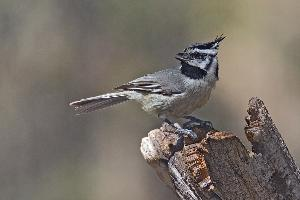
pixel 56 51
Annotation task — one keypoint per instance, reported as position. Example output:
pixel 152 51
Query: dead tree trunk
pixel 218 166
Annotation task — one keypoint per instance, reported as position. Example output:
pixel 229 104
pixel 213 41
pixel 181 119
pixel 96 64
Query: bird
pixel 171 93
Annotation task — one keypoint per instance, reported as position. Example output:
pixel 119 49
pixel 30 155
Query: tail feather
pixel 98 102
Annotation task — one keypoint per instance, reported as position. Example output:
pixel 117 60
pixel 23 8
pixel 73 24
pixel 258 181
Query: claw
pixel 183 132
pixel 196 121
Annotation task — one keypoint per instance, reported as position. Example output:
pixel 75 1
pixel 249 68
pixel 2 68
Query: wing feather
pixel 166 82
pixel 146 87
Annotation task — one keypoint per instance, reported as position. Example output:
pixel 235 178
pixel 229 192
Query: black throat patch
pixel 192 71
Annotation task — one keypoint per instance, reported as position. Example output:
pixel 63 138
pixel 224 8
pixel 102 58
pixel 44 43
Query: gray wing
pixel 165 82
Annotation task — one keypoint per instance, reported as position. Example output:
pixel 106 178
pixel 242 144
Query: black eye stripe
pixel 198 55
pixel 211 59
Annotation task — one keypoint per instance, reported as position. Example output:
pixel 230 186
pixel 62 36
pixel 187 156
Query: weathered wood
pixel 267 142
pixel 218 166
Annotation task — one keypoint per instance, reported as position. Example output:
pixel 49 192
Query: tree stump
pixel 218 166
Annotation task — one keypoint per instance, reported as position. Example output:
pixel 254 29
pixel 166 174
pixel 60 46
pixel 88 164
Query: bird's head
pixel 200 59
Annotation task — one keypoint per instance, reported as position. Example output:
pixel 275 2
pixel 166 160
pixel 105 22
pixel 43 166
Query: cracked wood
pixel 218 166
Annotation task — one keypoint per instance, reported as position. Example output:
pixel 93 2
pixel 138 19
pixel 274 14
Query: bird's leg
pixel 168 121
pixel 182 131
pixel 196 121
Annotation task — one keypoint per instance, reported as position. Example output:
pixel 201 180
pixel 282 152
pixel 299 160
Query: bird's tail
pixel 98 102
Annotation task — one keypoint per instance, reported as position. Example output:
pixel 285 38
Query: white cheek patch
pixel 199 63
pixel 194 63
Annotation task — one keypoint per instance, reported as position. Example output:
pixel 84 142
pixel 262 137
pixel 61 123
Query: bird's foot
pixel 182 131
pixel 193 121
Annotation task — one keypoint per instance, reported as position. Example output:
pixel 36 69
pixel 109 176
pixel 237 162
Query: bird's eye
pixel 197 55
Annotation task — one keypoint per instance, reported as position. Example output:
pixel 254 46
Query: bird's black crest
pixel 189 53
pixel 208 45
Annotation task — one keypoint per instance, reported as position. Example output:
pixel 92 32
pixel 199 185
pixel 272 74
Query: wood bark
pixel 218 166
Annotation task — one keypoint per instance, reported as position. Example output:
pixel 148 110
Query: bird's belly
pixel 175 106
pixel 188 104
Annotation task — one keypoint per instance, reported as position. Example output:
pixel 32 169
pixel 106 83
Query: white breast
pixel 196 95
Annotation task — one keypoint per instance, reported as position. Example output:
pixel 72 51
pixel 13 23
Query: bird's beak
pixel 180 56
pixel 219 39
